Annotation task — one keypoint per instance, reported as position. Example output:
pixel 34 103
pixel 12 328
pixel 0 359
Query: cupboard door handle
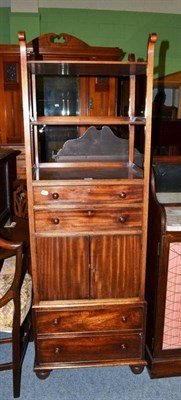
pixel 91 104
pixel 122 195
pixel 55 196
pixel 55 221
pixel 122 219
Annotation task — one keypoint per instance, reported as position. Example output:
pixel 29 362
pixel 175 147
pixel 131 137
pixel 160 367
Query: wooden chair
pixel 20 201
pixel 15 305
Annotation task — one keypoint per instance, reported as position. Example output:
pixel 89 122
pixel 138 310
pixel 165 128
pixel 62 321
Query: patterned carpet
pixel 110 383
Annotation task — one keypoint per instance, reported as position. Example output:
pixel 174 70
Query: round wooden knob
pixel 122 219
pixel 123 318
pixel 122 195
pixel 55 221
pixel 55 196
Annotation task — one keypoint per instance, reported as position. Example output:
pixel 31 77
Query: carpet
pixel 102 383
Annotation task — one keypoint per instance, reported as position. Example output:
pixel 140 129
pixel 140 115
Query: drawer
pixel 67 220
pixel 94 348
pixel 88 194
pixel 107 319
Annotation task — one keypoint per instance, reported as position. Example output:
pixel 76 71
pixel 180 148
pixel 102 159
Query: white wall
pixel 25 6
pixel 159 6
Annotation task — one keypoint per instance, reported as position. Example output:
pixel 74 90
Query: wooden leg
pixel 16 381
pixel 16 353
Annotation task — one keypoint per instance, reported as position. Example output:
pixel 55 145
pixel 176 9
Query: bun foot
pixel 43 374
pixel 137 369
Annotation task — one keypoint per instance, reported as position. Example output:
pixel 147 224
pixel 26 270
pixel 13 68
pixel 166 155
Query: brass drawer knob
pixel 122 219
pixel 55 196
pixel 55 221
pixel 122 195
pixel 57 350
pixel 90 213
pixel 56 321
pixel 123 346
pixel 124 318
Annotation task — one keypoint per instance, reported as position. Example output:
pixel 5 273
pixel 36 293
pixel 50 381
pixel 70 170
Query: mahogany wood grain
pixel 67 220
pixel 92 348
pixel 65 262
pixel 88 218
pixel 89 318
pixel 11 117
pixel 56 195
pixel 115 266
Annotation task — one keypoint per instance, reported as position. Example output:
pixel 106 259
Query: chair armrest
pixel 16 249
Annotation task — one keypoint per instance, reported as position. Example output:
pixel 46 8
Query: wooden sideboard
pixel 163 285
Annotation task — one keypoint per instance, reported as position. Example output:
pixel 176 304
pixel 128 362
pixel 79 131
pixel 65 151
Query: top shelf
pixel 86 68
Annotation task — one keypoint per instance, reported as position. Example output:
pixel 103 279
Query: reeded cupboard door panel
pixel 63 268
pixel 115 266
pixel 13 116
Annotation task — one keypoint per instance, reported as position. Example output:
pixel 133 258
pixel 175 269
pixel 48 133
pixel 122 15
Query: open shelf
pixel 88 120
pixel 86 68
pixel 87 172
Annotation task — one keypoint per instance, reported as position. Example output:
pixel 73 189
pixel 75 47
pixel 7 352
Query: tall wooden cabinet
pixel 88 211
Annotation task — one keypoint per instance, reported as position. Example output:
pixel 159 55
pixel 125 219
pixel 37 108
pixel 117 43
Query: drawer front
pixel 82 221
pixel 88 194
pixel 92 348
pixel 110 319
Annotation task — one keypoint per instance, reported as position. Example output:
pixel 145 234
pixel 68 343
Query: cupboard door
pixel 115 266
pixel 102 96
pixel 11 115
pixel 62 268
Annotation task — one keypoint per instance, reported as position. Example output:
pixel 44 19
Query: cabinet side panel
pixel 172 322
pixel 115 266
pixel 62 268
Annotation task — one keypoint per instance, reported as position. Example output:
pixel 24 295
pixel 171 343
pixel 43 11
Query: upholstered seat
pixel 15 305
pixel 6 280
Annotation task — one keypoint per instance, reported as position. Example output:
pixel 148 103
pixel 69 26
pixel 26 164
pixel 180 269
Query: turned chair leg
pixel 16 353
